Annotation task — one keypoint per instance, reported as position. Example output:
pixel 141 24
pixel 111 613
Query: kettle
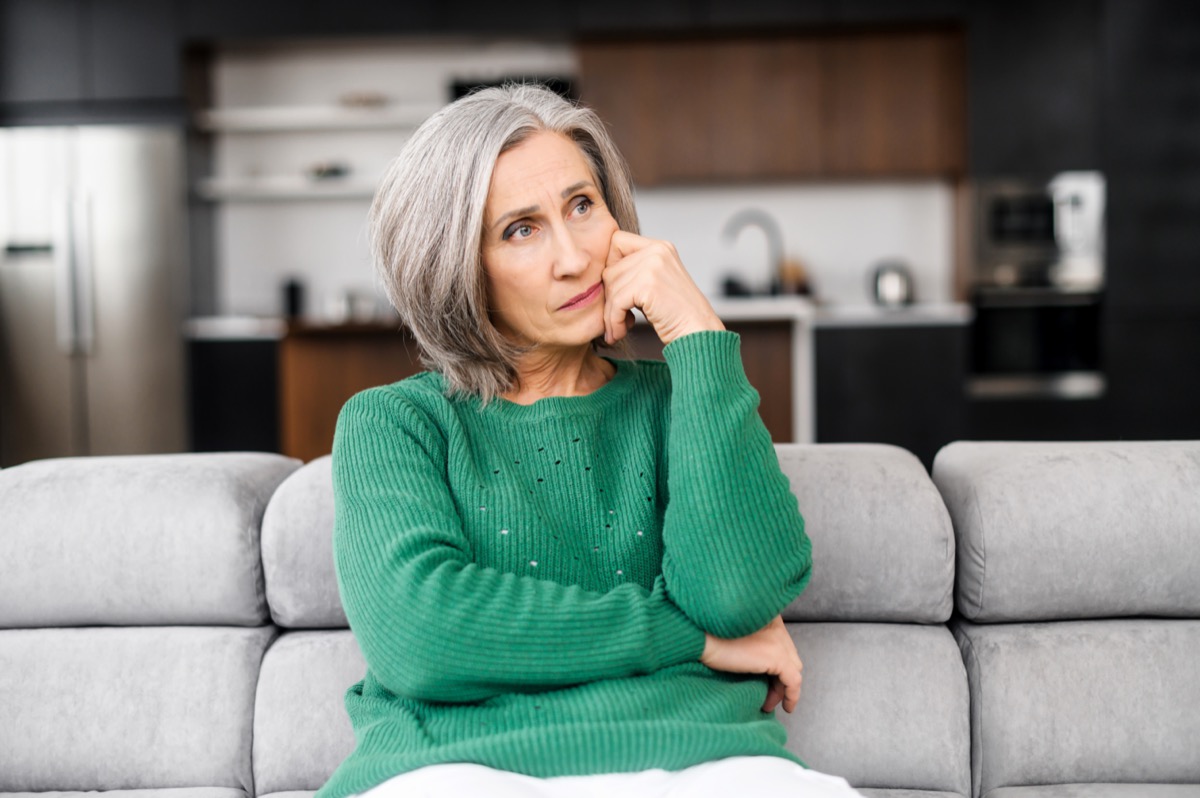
pixel 891 284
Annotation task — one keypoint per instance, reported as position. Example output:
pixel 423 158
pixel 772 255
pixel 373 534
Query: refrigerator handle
pixel 73 319
pixel 82 249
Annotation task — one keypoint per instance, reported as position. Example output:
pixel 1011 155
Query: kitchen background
pixel 792 147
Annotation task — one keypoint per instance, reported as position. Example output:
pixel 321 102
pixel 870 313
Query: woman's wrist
pixel 707 323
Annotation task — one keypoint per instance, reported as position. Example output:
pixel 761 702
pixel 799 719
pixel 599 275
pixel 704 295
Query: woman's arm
pixel 433 625
pixel 735 551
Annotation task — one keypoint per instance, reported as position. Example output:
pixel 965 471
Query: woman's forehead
pixel 546 162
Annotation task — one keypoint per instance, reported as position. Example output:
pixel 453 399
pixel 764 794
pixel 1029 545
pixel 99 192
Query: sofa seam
pixel 277 632
pixel 973 669
pixel 982 550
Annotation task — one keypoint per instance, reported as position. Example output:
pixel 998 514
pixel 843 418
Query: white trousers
pixel 758 776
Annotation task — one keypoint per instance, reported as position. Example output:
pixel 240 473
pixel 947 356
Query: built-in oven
pixel 1036 283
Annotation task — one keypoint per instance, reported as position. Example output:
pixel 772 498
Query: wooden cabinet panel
pixel 696 110
pixel 782 107
pixel 320 368
pixel 767 359
pixel 894 104
pixel 765 98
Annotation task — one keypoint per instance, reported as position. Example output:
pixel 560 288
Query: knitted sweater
pixel 530 584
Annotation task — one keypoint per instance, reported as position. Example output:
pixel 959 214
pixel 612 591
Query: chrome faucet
pixel 756 217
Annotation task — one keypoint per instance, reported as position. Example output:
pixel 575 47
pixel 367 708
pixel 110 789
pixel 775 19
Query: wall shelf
pixel 282 188
pixel 288 118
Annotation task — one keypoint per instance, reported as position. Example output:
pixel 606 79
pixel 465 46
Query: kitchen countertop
pixel 234 328
pixel 920 314
pixel 767 308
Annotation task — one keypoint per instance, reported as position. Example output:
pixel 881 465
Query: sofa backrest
pixel 883 544
pixel 142 578
pixel 135 541
pixel 1080 534
pixel 1051 531
pixel 885 699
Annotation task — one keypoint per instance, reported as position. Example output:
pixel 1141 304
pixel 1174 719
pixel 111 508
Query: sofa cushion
pixel 179 792
pixel 297 551
pixel 869 793
pixel 883 705
pixel 883 545
pixel 1074 530
pixel 117 709
pixel 1100 791
pixel 1077 702
pixel 301 729
pixel 151 539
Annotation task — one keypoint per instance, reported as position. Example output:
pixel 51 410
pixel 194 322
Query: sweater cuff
pixel 706 361
pixel 679 640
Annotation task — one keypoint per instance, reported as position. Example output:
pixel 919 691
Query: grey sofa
pixel 171 624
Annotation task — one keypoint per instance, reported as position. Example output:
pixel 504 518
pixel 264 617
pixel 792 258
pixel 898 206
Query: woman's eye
pixel 583 206
pixel 519 230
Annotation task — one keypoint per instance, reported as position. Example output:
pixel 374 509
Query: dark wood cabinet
pixel 699 110
pixel 1034 79
pixel 894 104
pixel 767 359
pixel 234 395
pixel 897 384
pixel 320 367
pixel 770 108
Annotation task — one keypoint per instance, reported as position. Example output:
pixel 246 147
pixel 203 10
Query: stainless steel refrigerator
pixel 92 291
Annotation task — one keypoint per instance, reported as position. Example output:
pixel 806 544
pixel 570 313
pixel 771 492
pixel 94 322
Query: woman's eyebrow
pixel 566 192
pixel 513 214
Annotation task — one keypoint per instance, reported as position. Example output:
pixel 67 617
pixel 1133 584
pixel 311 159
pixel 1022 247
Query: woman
pixel 565 572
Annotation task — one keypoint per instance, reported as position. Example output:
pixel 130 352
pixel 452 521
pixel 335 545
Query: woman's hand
pixel 647 274
pixel 769 651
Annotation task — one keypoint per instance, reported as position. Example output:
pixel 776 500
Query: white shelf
pixel 289 118
pixel 283 187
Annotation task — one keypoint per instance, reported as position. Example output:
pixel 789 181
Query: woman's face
pixel 545 242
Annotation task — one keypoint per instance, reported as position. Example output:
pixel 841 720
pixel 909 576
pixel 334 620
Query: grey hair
pixel 426 223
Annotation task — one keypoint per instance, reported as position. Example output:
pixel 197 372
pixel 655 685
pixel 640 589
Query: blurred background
pixel 929 220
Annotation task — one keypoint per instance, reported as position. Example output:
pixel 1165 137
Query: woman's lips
pixel 582 299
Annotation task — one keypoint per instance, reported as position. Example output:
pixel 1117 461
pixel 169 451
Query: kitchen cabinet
pixel 1034 80
pixel 321 366
pixel 836 105
pixel 234 388
pixel 67 60
pixel 901 384
pixel 894 104
pixel 767 358
pixel 1151 134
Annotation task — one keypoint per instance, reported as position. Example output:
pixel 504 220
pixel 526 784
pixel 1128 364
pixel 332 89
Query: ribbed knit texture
pixel 530 584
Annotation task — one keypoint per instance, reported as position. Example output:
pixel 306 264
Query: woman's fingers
pixel 647 274
pixel 769 651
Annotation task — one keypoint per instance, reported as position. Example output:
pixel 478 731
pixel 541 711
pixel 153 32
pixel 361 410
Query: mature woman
pixel 564 571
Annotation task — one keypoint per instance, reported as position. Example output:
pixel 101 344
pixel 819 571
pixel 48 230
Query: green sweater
pixel 530 584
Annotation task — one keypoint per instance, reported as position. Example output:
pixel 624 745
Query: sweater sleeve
pixel 432 624
pixel 735 550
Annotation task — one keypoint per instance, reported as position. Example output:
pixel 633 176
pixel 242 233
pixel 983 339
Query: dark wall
pixel 1151 155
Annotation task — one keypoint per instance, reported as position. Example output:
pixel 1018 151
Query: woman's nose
pixel 570 257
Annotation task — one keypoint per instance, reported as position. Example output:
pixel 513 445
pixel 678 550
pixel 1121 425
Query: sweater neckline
pixel 619 386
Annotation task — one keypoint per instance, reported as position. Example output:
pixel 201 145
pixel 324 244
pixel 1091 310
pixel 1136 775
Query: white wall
pixel 839 230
